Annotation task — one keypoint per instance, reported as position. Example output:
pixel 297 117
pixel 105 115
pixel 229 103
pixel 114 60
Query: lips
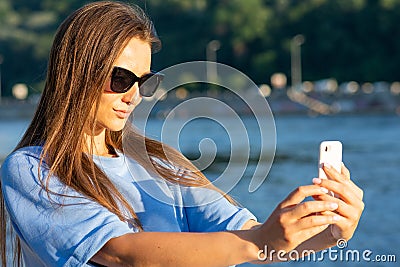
pixel 123 114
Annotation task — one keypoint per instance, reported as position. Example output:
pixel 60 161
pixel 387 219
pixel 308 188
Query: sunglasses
pixel 122 80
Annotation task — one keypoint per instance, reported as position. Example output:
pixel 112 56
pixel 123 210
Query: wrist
pixel 253 245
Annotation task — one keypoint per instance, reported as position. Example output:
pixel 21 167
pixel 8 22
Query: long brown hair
pixel 84 49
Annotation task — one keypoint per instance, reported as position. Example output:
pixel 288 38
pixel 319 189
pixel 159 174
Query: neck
pixel 96 145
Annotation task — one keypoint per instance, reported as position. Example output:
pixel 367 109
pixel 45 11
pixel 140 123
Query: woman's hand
pixel 294 221
pixel 348 196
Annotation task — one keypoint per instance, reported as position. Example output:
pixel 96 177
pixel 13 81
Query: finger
pixel 355 193
pixel 328 212
pixel 345 171
pixel 355 189
pixel 345 175
pixel 329 198
pixel 309 232
pixel 352 212
pixel 346 191
pixel 342 191
pixel 318 220
pixel 311 208
pixel 342 177
pixel 333 174
pixel 300 193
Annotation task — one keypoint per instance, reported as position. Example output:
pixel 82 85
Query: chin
pixel 115 127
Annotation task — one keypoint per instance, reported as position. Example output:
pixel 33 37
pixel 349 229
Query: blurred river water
pixel 371 152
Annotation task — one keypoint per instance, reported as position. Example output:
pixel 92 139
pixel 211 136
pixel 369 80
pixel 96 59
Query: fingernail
pixel 327 165
pixel 316 180
pixel 324 190
pixel 336 218
pixel 334 205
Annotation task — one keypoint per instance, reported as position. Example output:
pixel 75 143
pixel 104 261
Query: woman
pixel 72 200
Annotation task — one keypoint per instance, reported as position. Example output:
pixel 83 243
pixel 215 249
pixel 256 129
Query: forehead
pixel 135 56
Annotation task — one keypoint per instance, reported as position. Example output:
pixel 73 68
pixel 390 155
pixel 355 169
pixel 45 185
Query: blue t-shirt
pixel 69 235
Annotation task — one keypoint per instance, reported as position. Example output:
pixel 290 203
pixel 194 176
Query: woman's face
pixel 115 108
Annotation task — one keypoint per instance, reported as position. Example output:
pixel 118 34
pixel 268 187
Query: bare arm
pixel 178 249
pixel 290 225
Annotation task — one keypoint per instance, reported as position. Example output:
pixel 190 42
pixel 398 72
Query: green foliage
pixel 244 26
pixel 346 39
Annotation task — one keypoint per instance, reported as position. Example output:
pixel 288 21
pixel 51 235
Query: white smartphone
pixel 330 152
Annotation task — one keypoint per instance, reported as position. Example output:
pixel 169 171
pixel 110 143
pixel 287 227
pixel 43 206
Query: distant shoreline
pixel 279 103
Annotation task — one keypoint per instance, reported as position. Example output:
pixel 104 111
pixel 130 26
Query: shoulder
pixel 23 155
pixel 23 160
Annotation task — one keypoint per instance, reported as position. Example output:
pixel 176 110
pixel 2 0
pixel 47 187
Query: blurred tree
pixel 184 28
pixel 26 33
pixel 346 39
pixel 241 25
pixel 24 43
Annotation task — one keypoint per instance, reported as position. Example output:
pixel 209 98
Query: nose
pixel 132 96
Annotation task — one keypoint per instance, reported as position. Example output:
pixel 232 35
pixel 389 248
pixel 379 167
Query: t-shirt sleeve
pixel 61 235
pixel 208 211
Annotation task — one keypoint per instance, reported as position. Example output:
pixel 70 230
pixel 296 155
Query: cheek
pixel 106 103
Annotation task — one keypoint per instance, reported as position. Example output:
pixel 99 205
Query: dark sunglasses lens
pixel 121 80
pixel 150 83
